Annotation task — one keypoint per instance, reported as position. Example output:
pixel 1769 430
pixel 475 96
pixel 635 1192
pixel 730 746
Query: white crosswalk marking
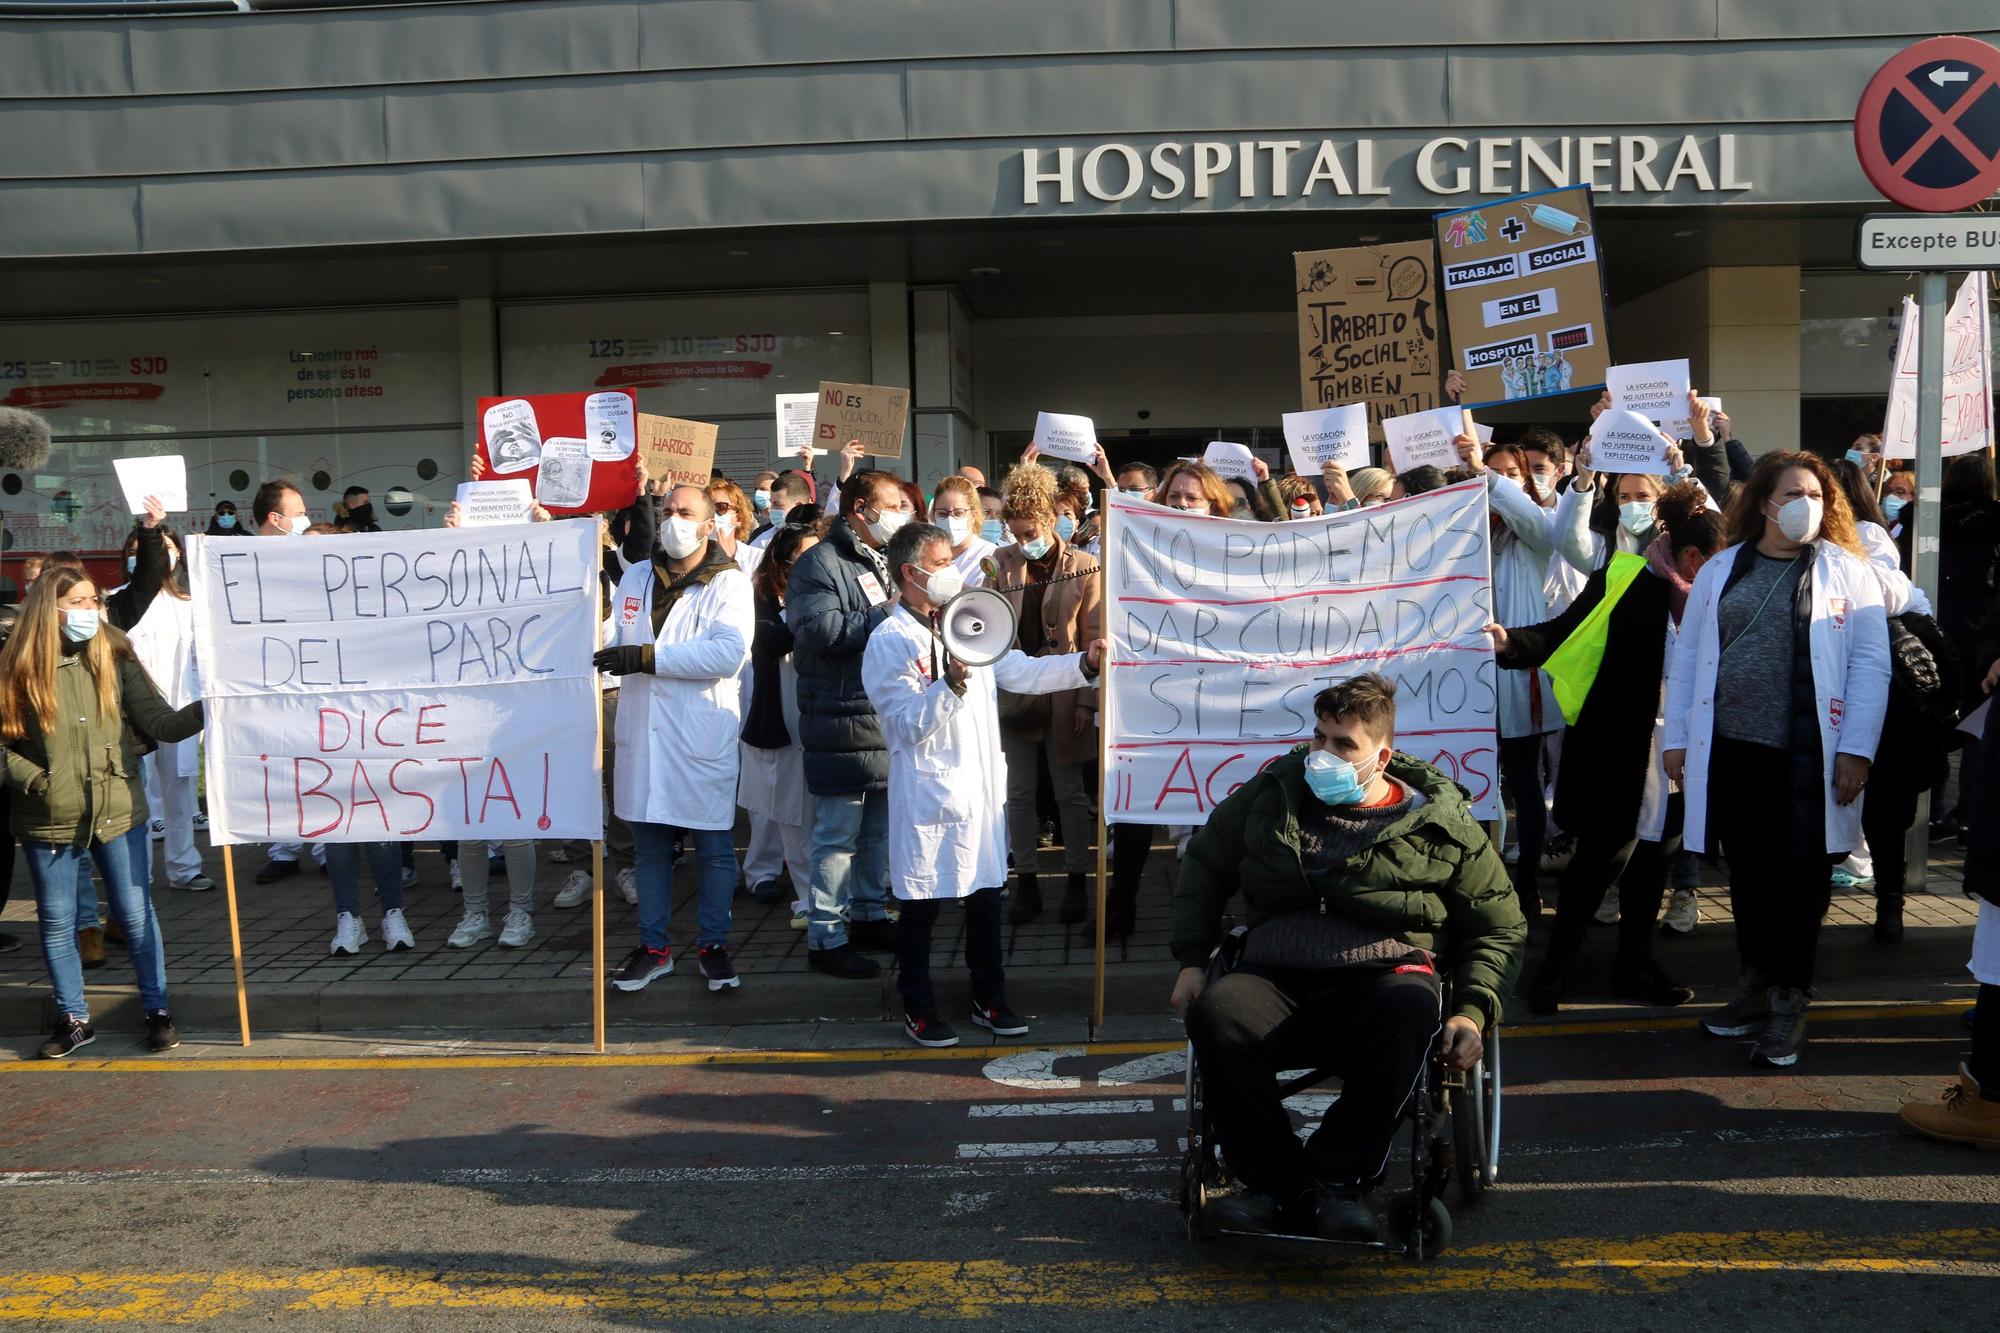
pixel 1167 1066
pixel 1060 1148
pixel 1010 1110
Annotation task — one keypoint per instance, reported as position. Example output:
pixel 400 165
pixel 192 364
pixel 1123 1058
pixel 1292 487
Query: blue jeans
pixel 87 914
pixel 653 876
pixel 123 865
pixel 850 855
pixel 343 868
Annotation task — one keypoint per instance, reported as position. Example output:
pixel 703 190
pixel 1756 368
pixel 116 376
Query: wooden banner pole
pixel 599 977
pixel 1103 784
pixel 235 939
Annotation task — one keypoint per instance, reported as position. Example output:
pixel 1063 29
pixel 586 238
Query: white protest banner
pixel 1968 377
pixel 162 475
pixel 431 683
pixel 1420 438
pixel 1222 632
pixel 1329 435
pixel 1657 390
pixel 481 504
pixel 1061 435
pixel 1230 460
pixel 795 413
pixel 1627 441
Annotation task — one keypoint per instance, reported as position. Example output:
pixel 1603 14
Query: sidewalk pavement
pixel 294 985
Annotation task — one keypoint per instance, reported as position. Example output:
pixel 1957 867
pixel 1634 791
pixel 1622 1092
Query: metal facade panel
pixel 49 218
pixel 1232 24
pixel 130 136
pixel 1787 19
pixel 42 59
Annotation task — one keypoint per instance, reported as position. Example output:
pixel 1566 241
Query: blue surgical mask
pixel 1038 548
pixel 761 500
pixel 1335 781
pixel 131 563
pixel 225 520
pixel 1856 457
pixel 1137 492
pixel 993 532
pixel 1892 505
pixel 79 626
pixel 1065 527
pixel 1637 517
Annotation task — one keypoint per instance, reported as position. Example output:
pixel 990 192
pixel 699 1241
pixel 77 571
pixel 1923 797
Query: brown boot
pixel 1960 1116
pixel 90 944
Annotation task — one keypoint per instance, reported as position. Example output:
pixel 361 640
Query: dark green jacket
pixel 1432 872
pixel 82 782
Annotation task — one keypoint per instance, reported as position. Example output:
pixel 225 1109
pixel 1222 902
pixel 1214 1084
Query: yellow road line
pixel 254 1064
pixel 973 1289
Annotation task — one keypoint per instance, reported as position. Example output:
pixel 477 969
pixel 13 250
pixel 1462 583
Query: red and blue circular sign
pixel 1928 126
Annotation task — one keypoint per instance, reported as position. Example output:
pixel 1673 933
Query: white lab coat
pixel 977 548
pixel 1521 552
pixel 163 641
pixel 947 779
pixel 773 784
pixel 1849 643
pixel 678 726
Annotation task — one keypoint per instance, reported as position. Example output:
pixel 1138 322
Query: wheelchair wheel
pixel 1424 1225
pixel 1201 1170
pixel 1468 1133
pixel 1489 1093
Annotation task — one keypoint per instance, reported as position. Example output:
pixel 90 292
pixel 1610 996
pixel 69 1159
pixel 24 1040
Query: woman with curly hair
pixel 1059 604
pixel 1776 692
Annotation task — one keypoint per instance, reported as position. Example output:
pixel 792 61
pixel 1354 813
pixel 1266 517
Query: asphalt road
pixel 1652 1179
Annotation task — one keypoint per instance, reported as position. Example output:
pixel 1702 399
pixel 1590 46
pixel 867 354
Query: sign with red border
pixel 1927 129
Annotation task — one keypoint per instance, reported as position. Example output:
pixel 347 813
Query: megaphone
pixel 977 626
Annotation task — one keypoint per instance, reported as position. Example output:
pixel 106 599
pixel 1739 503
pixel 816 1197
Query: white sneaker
pixel 194 884
pixel 1683 913
pixel 159 829
pixel 1607 911
pixel 470 931
pixel 575 891
pixel 457 882
pixel 200 822
pixel 396 931
pixel 628 886
pixel 348 934
pixel 517 930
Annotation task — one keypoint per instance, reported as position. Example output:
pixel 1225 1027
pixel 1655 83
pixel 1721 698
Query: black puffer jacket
pixel 832 614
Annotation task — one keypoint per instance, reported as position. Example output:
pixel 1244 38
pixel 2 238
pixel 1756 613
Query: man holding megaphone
pixel 932 670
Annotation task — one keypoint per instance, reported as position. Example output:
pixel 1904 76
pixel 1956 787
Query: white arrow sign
pixel 1942 75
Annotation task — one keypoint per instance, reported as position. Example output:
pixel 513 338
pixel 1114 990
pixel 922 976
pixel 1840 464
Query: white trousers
pixel 173 800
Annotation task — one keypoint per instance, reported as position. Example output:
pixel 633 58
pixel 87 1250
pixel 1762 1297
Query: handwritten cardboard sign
pixel 584 441
pixel 679 452
pixel 1523 292
pixel 1368 329
pixel 874 414
pixel 1328 435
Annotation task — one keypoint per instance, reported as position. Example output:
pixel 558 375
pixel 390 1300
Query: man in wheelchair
pixel 1352 859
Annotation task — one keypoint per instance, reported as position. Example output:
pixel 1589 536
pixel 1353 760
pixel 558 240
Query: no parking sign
pixel 1927 129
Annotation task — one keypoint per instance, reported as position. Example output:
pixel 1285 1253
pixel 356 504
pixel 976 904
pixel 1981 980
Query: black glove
pixel 624 661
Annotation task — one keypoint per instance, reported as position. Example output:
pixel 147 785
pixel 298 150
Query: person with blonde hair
pixel 1193 487
pixel 1059 605
pixel 73 694
pixel 733 522
pixel 955 508
pixel 1776 690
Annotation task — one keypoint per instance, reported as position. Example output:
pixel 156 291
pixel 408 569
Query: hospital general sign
pixel 1259 170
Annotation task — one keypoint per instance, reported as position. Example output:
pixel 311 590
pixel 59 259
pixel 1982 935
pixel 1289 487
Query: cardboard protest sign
pixel 1368 329
pixel 1622 440
pixel 679 452
pixel 874 414
pixel 795 414
pixel 1328 435
pixel 1230 461
pixel 1061 435
pixel 164 476
pixel 1523 288
pixel 1657 390
pixel 1968 377
pixel 432 683
pixel 485 503
pixel 584 442
pixel 1424 438
pixel 1221 633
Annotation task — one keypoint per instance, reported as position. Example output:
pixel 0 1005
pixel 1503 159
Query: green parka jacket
pixel 82 782
pixel 1433 879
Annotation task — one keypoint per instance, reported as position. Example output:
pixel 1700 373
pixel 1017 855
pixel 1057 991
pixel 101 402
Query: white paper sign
pixel 1061 435
pixel 1329 435
pixel 1484 434
pixel 610 433
pixel 161 475
pixel 1230 460
pixel 1968 377
pixel 428 683
pixel 513 436
pixel 1657 390
pixel 564 481
pixel 1220 639
pixel 485 503
pixel 1421 438
pixel 1710 402
pixel 795 415
pixel 1626 441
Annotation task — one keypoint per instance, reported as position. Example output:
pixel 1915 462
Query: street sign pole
pixel 1931 301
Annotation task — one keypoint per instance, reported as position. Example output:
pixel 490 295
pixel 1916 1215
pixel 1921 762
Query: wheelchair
pixel 1453 1119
